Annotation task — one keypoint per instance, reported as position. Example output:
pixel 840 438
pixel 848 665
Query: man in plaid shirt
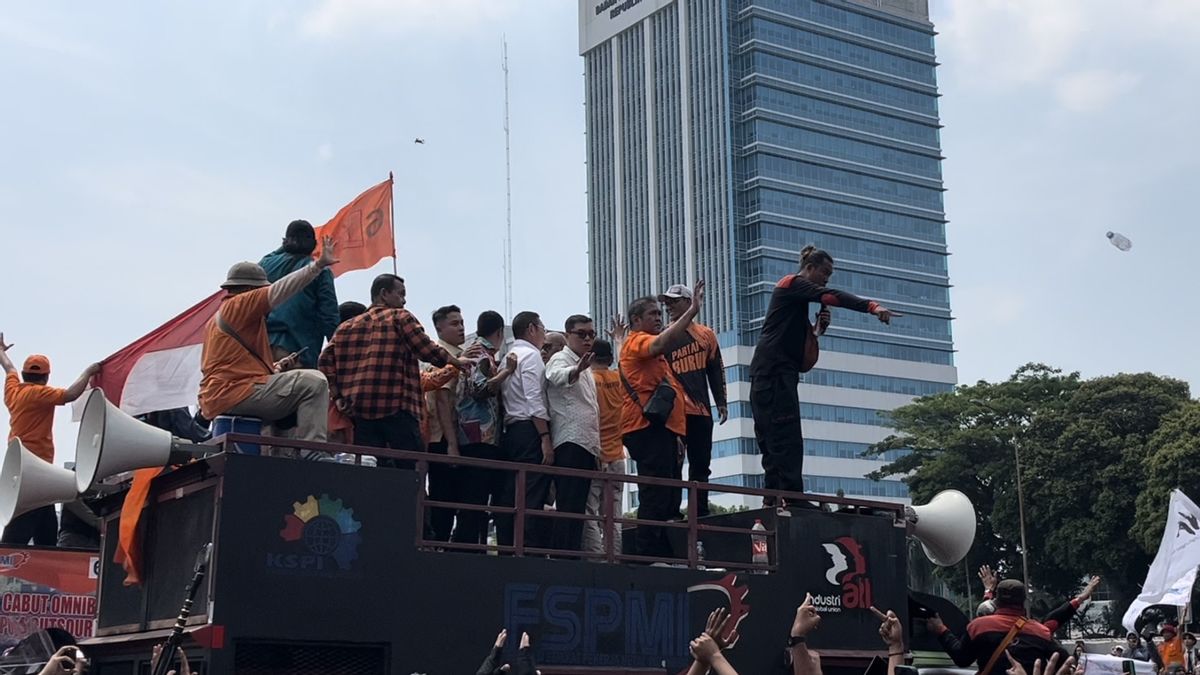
pixel 372 367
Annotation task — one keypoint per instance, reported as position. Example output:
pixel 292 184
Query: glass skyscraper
pixel 722 137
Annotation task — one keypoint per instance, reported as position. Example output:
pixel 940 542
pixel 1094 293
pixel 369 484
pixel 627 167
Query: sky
pixel 145 147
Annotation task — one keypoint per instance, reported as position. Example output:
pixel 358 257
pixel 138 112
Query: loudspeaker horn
pixel 28 482
pixel 112 442
pixel 945 527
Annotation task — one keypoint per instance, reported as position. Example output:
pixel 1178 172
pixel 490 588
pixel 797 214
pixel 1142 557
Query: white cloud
pixel 335 18
pixel 1010 41
pixel 1092 90
pixel 325 152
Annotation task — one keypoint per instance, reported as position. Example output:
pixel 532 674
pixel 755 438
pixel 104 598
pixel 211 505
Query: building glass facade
pixel 725 135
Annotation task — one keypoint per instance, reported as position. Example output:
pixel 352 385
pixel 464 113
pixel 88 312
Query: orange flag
pixel 129 540
pixel 362 231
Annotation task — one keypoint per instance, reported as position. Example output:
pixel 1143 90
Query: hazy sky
pixel 147 146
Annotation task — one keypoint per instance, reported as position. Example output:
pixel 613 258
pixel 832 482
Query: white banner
pixel 1173 572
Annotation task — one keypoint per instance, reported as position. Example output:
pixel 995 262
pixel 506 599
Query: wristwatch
pixel 794 640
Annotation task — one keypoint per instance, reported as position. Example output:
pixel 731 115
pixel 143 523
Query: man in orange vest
pixel 31 406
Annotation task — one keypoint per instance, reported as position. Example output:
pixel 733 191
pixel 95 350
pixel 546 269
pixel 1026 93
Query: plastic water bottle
pixel 1119 240
pixel 699 554
pixel 758 545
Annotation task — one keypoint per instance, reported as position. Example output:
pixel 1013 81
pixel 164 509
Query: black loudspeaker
pixel 179 522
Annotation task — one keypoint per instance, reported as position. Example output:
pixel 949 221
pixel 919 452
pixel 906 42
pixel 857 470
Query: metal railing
pixel 607 518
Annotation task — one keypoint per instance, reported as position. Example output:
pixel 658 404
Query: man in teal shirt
pixel 303 323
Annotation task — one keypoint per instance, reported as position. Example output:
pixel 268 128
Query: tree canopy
pixel 1098 459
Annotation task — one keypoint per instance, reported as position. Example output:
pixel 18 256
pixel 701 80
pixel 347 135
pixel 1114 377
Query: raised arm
pixel 287 287
pixel 4 360
pixel 676 329
pixel 798 289
pixel 80 384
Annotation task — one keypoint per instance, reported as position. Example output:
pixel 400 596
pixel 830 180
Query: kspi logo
pixel 324 537
pixel 848 569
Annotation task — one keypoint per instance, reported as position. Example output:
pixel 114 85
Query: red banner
pixel 42 588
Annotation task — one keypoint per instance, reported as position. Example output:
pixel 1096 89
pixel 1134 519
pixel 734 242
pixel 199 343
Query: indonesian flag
pixel 162 369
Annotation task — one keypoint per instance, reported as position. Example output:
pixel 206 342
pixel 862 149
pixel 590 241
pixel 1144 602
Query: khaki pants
pixel 592 540
pixel 304 392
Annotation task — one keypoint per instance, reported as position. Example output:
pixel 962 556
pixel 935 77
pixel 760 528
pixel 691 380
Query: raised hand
pixel 328 256
pixel 807 618
pixel 890 629
pixel 698 294
pixel 585 362
pixel 501 638
pixel 704 649
pixel 524 640
pixel 618 329
pixel 987 577
pixel 4 346
pixel 715 628
pixel 1089 589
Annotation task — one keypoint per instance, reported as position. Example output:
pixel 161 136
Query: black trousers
pixel 655 449
pixel 775 404
pixel 400 431
pixel 475 486
pixel 40 525
pixel 443 487
pixel 522 443
pixel 571 494
pixel 699 455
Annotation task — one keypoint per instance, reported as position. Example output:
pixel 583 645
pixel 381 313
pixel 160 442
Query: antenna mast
pixel 508 193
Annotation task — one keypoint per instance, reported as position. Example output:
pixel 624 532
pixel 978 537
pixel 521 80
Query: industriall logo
pixel 848 570
pixel 322 537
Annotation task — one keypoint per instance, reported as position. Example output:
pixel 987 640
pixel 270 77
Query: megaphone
pixel 28 482
pixel 112 442
pixel 945 527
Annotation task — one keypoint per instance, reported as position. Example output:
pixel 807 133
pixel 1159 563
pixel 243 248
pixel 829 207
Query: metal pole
pixel 1021 515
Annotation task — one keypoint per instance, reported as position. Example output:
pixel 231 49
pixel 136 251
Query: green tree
pixel 1173 463
pixel 1088 450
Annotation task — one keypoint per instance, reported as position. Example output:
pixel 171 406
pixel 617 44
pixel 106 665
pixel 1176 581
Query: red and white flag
pixel 162 369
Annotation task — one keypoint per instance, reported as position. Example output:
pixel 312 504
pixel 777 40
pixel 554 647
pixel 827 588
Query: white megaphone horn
pixel 112 442
pixel 28 482
pixel 945 527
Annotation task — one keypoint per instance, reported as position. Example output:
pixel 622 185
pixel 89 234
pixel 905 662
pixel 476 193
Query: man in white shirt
pixel 574 426
pixel 526 428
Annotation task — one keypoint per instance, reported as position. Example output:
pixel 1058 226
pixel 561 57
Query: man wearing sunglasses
pixel 574 425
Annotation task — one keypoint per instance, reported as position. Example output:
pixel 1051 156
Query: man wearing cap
pixel 655 443
pixel 988 636
pixel 302 323
pixel 239 376
pixel 695 358
pixel 1170 654
pixel 31 418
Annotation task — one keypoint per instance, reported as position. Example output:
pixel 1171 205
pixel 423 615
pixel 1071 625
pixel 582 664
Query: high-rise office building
pixel 723 136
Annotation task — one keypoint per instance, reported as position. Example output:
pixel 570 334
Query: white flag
pixel 1173 572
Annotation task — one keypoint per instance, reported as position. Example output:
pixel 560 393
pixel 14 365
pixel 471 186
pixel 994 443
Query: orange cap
pixel 38 364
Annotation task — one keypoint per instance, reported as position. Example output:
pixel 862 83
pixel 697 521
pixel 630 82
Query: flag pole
pixel 392 208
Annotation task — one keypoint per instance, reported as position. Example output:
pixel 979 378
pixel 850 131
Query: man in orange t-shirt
pixel 657 448
pixel 238 376
pixel 31 418
pixel 609 399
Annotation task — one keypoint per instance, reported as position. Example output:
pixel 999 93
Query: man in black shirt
pixel 776 366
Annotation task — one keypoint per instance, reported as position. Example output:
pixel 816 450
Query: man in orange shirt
pixel 31 410
pixel 612 451
pixel 657 447
pixel 238 375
